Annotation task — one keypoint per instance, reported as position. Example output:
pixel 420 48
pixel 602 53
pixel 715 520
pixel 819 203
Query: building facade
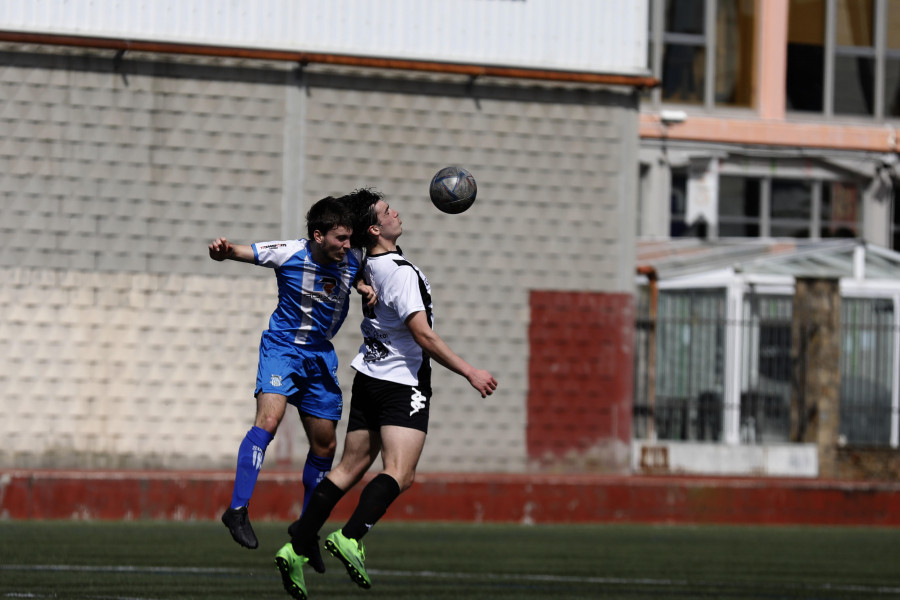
pixel 134 135
pixel 770 138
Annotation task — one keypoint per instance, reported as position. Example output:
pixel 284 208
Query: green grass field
pixel 164 561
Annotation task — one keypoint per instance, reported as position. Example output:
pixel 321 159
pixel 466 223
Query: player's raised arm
pixel 438 349
pixel 221 249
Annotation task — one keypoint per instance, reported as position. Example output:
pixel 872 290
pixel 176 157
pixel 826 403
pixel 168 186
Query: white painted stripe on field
pixel 527 577
pixel 868 589
pixel 118 569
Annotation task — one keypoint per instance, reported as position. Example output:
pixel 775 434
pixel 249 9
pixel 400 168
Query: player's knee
pixel 324 448
pixel 268 422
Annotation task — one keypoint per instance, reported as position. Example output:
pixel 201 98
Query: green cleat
pixel 291 566
pixel 352 554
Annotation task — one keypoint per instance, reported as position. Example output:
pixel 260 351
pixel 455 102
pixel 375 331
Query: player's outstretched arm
pixel 438 349
pixel 221 249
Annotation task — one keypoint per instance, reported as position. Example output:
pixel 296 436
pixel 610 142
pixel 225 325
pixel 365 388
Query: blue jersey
pixel 313 299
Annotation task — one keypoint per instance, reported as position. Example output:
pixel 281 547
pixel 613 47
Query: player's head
pixel 329 226
pixel 325 215
pixel 361 204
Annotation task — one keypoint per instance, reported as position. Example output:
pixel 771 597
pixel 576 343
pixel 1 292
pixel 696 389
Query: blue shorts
pixel 306 375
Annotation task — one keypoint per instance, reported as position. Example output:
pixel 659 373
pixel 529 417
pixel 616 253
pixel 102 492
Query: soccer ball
pixel 452 190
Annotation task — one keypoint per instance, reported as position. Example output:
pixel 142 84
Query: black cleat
pixel 308 549
pixel 238 523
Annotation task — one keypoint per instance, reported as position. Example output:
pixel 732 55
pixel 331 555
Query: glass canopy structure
pixel 713 359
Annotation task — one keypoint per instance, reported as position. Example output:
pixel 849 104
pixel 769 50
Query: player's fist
pixel 220 249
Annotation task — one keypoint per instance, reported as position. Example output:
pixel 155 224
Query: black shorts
pixel 376 403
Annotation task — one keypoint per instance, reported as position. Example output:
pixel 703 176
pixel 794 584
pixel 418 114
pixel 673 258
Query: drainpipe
pixel 650 273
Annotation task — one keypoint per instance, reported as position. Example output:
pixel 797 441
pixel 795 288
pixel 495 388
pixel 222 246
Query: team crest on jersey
pixel 328 284
pixel 275 380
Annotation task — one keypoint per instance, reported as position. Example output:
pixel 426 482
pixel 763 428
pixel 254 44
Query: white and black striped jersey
pixel 389 351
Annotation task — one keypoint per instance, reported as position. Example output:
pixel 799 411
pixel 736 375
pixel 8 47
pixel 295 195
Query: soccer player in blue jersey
pixel 391 399
pixel 297 362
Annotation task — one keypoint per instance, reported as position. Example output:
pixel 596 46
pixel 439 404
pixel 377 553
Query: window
pixel 840 205
pixel 739 207
pixel 792 208
pixel 690 365
pixel 678 225
pixel 703 51
pixel 867 358
pixel 843 57
pixel 789 207
pixel 895 216
pixel 766 368
pixel 892 61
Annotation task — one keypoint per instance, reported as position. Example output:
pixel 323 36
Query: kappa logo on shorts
pixel 275 380
pixel 417 402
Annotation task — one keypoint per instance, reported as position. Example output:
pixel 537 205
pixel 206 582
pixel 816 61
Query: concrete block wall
pixel 548 163
pixel 126 370
pixel 127 347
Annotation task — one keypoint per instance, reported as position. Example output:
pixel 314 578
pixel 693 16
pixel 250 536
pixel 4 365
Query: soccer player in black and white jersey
pixel 390 397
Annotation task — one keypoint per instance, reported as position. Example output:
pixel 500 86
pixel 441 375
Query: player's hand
pixel 482 381
pixel 220 249
pixel 367 292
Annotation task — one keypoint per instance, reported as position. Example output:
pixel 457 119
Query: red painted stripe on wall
pixel 461 498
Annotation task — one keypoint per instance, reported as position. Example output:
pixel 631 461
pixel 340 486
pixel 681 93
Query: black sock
pixel 373 503
pixel 321 503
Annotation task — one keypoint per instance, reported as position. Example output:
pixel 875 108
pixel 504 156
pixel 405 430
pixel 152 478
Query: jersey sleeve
pixel 274 254
pixel 402 293
pixel 356 261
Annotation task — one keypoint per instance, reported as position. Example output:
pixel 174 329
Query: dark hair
pixel 361 204
pixel 326 214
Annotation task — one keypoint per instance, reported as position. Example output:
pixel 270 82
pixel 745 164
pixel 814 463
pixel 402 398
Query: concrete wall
pixel 125 346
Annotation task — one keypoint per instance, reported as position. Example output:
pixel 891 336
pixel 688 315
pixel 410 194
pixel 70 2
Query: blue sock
pixel 249 462
pixel 314 471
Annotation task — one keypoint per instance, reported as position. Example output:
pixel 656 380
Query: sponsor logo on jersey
pixel 273 246
pixel 330 291
pixel 375 350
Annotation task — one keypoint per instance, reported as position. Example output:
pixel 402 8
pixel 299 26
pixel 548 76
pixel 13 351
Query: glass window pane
pixel 895 209
pixel 678 205
pixel 738 207
pixel 893 24
pixel 683 73
pixel 806 22
pixel 684 16
pixel 892 87
pixel 867 344
pixel 854 21
pixel 791 210
pixel 806 55
pixel 735 50
pixel 854 85
pixel 840 209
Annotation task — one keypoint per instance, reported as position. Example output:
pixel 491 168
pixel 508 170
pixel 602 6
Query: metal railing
pixel 680 370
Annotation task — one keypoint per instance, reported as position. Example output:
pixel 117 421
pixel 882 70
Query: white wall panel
pixel 601 36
